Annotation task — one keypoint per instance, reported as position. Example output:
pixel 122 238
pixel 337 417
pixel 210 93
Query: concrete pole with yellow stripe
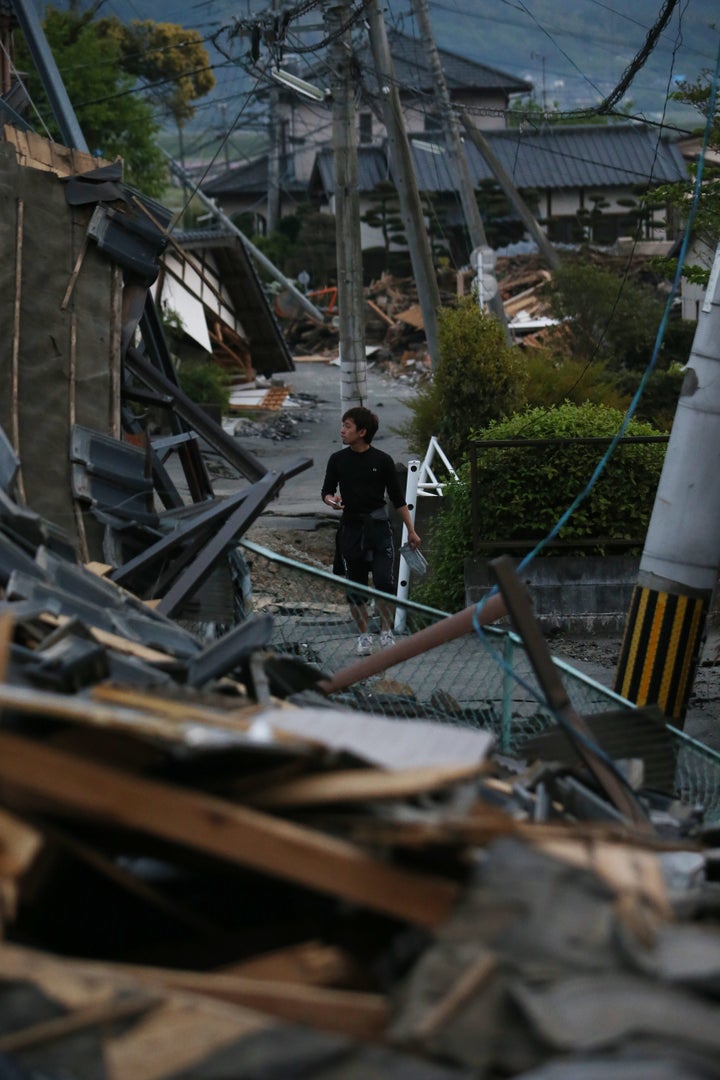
pixel 679 565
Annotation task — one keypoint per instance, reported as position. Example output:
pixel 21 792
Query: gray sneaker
pixel 364 645
pixel 386 639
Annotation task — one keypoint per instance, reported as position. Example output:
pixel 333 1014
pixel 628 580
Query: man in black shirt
pixel 364 543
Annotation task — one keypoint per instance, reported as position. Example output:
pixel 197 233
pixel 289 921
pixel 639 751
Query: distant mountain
pixel 575 54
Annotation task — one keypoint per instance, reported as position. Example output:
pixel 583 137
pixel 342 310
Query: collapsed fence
pixel 482 680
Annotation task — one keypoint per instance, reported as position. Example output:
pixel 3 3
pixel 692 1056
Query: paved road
pixel 320 436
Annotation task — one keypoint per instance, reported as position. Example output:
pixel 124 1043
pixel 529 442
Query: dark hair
pixel 363 419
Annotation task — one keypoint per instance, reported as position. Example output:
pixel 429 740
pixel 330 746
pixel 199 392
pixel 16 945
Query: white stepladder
pixel 421 481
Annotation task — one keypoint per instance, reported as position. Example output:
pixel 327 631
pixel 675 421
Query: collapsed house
pixel 86 362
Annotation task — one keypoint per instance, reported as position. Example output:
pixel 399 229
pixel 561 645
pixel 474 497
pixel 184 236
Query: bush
pixel 204 382
pixel 552 379
pixel 603 316
pixel 478 378
pixel 524 492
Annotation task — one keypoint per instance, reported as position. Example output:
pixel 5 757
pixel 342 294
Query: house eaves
pixel 372 166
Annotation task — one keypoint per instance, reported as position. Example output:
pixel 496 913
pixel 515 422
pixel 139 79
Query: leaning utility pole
pixel 459 168
pixel 351 299
pixel 513 195
pixel 679 564
pixel 404 177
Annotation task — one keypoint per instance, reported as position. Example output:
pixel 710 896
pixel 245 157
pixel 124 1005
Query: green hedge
pixel 523 492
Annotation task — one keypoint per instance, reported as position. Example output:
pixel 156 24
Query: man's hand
pixel 334 501
pixel 413 539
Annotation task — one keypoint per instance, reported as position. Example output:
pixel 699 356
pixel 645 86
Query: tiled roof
pixel 373 168
pixel 252 177
pixel 603 156
pixel 622 155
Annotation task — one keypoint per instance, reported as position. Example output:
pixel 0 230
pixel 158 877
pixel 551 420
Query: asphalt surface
pixel 314 411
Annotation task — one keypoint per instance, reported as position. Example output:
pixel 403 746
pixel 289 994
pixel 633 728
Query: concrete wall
pixel 569 595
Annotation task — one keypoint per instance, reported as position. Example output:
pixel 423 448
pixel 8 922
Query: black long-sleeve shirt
pixel 363 478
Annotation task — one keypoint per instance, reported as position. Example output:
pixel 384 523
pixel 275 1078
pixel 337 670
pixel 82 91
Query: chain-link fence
pixel 483 679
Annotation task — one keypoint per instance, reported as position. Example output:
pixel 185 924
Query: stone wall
pixel 576 595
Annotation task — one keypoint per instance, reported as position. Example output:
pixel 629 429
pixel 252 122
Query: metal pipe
pixel 430 637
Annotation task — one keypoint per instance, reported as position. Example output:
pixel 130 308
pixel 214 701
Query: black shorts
pixel 364 547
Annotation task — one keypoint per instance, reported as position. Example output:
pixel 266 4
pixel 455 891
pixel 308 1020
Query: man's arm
pixel 329 487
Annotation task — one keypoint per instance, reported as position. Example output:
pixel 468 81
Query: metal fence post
pixel 508 683
pixel 403 588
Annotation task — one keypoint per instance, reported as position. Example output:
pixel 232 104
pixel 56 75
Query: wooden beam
pixel 215 827
pixel 347 1012
pixel 97 1015
pixel 357 785
pixel 311 963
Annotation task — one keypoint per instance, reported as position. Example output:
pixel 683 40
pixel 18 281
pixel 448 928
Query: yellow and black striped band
pixel 660 649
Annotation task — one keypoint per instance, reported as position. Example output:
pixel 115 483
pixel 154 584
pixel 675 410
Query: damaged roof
pixel 239 278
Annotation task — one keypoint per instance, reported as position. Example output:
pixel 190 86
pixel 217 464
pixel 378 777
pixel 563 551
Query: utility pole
pixel 404 177
pixel 459 168
pixel 53 85
pixel 273 180
pixel 679 565
pixel 351 299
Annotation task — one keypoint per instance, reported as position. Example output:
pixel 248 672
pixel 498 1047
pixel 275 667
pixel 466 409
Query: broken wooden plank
pixel 94 1015
pixel 412 316
pixel 218 828
pixel 346 1012
pixel 379 312
pixel 311 963
pixel 356 785
pixel 177 1034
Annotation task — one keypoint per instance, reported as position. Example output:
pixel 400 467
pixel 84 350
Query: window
pixel 365 120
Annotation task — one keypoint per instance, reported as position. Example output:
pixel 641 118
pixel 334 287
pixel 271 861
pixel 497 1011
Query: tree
pixel 171 60
pixel 677 197
pixel 603 317
pixel 478 379
pixel 100 73
pixel 384 214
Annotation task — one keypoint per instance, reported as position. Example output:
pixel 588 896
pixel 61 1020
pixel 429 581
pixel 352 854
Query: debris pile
pixel 211 865
pixel 208 869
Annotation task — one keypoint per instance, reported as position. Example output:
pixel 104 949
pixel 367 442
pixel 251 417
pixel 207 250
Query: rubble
pixel 213 865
